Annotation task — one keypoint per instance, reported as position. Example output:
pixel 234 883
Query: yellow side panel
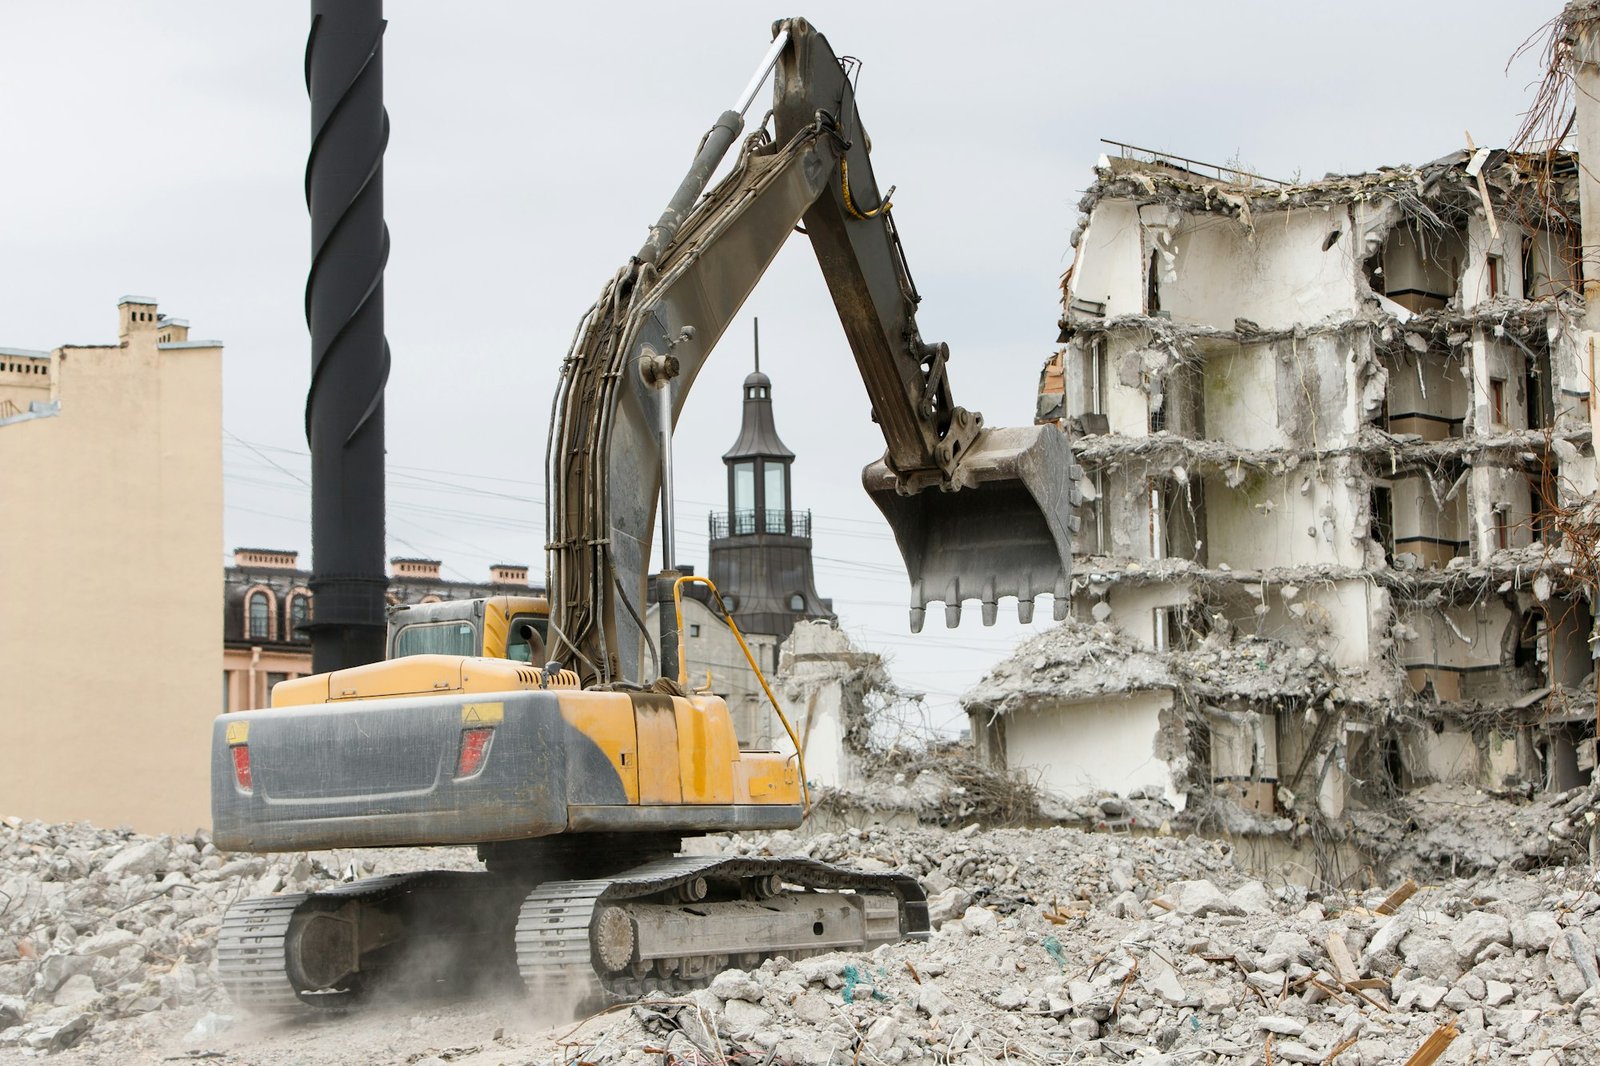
pixel 496 627
pixel 607 719
pixel 659 757
pixel 412 675
pixel 707 749
pixel 301 691
pixel 766 777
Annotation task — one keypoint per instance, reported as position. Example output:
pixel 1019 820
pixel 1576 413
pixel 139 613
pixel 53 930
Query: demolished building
pixel 1335 438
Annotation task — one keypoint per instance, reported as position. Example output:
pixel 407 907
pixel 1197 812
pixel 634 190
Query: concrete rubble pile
pixel 97 925
pixel 1050 945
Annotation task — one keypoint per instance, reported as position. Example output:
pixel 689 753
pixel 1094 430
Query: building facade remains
pixel 1337 457
pixel 110 464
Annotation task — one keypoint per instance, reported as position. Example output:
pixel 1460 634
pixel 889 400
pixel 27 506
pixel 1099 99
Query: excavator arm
pixel 978 513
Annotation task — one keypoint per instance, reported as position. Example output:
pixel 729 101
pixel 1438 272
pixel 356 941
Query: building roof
pixel 25 353
pixel 151 300
pixel 758 436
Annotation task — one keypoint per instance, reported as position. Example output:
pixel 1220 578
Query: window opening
pixel 775 496
pixel 299 615
pixel 260 612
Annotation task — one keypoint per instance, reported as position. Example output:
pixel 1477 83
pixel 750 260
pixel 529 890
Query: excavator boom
pixel 977 513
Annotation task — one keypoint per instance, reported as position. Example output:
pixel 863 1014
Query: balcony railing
pixel 744 523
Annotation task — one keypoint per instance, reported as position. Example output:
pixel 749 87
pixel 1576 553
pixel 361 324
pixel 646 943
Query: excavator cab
pixel 494 627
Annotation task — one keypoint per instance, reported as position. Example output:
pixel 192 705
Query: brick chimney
pixel 265 558
pixel 135 313
pixel 426 569
pixel 508 574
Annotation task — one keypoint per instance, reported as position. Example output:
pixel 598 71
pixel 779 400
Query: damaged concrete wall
pixel 1125 744
pixel 1337 420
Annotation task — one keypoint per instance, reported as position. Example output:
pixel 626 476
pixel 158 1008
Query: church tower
pixel 761 545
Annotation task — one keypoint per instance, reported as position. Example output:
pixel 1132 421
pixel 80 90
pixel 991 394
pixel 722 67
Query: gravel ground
pixel 1053 945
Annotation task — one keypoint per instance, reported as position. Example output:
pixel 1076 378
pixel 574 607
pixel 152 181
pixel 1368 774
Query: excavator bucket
pixel 1004 529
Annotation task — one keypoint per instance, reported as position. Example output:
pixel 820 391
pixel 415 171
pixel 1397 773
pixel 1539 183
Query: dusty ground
pixel 1053 946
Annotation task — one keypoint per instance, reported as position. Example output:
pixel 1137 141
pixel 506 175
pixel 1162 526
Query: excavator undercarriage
pixel 667 925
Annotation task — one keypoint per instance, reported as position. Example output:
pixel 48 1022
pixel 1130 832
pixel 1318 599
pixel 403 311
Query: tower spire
pixel 758 345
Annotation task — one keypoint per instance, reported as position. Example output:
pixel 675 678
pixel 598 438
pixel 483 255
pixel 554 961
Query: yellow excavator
pixel 578 772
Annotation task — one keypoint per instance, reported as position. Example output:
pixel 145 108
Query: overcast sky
pixel 158 148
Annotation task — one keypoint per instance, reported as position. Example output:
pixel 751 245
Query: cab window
pixel 436 638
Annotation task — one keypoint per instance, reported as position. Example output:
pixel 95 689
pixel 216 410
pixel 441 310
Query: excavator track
pixel 266 963
pixel 653 927
pixel 561 930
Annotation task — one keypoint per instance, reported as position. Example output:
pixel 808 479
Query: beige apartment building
pixel 110 518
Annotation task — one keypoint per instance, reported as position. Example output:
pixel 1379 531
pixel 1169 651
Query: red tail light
pixel 474 749
pixel 241 766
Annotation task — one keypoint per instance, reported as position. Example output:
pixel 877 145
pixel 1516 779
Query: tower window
pixel 776 490
pixel 797 602
pixel 744 487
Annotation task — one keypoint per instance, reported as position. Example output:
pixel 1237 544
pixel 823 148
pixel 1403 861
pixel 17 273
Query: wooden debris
pixel 1397 897
pixel 1434 1046
pixel 1344 966
pixel 915 976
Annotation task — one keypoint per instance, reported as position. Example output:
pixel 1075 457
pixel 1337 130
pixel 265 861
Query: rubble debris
pixel 1048 941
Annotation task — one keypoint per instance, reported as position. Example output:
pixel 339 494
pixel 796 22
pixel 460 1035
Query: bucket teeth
pixel 1025 611
pixel 999 526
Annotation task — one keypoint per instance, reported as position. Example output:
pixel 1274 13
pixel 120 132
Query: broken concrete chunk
pixel 12 1010
pixel 744 1017
pixel 1251 897
pixel 1159 977
pixel 1572 964
pixel 736 984
pixel 108 943
pixel 980 920
pixel 1476 931
pixel 76 991
pixel 136 859
pixel 1423 997
pixel 932 1000
pixel 1198 899
pixel 1535 931
pixel 1431 955
pixel 1281 1024
pixel 945 905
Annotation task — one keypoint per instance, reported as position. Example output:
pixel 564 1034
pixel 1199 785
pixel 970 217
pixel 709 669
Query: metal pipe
pixel 344 311
pixel 770 60
pixel 664 412
pixel 717 141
